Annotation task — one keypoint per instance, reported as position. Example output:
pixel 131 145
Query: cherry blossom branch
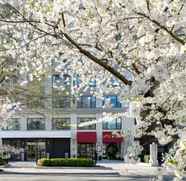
pixel 94 58
pixel 81 50
pixel 18 21
pixel 26 44
pixel 136 68
pixel 148 5
pixel 162 27
pixel 98 61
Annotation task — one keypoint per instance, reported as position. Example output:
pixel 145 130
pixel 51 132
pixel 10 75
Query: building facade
pixel 67 127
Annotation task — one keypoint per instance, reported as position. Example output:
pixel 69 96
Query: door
pixel 86 150
pixel 35 150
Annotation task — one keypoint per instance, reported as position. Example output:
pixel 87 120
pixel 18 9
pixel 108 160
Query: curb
pixel 53 173
pixel 88 168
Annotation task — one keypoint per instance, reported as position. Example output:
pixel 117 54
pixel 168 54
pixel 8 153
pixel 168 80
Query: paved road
pixel 4 177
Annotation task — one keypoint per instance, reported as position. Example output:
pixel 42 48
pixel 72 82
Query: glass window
pixel 35 124
pixel 61 101
pixel 76 80
pixel 86 123
pixel 61 80
pixel 12 124
pixel 86 102
pixel 60 123
pixel 86 150
pixel 92 83
pixel 61 91
pixel 114 82
pixel 113 99
pixel 112 124
pixel 125 106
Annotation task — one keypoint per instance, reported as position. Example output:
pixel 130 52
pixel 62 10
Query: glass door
pixel 31 151
pixel 41 152
pixel 86 150
pixel 35 150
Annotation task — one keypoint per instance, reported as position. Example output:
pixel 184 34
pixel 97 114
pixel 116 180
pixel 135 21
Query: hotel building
pixel 65 126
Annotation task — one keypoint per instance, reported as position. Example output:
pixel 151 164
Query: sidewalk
pixel 105 167
pixel 134 170
pixel 78 171
pixel 31 168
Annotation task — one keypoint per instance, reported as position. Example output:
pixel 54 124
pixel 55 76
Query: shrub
pixel 146 158
pixel 66 162
pixel 2 161
pixel 172 162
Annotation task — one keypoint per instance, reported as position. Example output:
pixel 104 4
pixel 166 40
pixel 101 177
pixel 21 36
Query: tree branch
pixel 98 61
pixel 136 68
pixel 162 27
pixel 81 50
pixel 18 21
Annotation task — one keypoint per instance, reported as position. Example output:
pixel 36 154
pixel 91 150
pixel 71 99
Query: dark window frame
pixel 83 101
pixel 88 127
pixel 117 122
pixel 117 103
pixel 57 119
pixel 36 127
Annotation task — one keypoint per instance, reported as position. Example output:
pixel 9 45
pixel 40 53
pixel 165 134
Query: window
pixel 125 106
pixel 60 123
pixel 35 124
pixel 86 123
pixel 86 102
pixel 76 80
pixel 61 101
pixel 112 124
pixel 61 80
pixel 92 83
pixel 114 82
pixel 61 91
pixel 12 124
pixel 113 99
pixel 86 150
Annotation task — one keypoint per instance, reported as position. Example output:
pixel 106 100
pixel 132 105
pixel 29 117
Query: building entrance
pixel 86 150
pixel 112 151
pixel 35 150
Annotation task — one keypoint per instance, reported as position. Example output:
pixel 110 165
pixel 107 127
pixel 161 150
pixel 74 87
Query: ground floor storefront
pixel 87 145
pixel 33 149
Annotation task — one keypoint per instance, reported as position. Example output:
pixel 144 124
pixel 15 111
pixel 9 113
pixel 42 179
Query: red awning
pixel 86 137
pixel 108 137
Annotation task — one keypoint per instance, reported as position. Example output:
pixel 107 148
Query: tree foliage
pixel 139 42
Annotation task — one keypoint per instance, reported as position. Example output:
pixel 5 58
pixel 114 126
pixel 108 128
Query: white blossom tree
pixel 138 43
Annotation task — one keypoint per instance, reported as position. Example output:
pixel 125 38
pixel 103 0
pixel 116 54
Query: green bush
pixel 66 162
pixel 2 161
pixel 173 162
pixel 146 158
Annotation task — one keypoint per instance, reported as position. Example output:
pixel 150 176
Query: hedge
pixel 66 162
pixel 2 161
pixel 146 158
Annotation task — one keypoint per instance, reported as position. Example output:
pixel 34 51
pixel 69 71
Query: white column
pixel 123 144
pixel 48 122
pixel 48 91
pixel 23 123
pixel 128 128
pixel 153 154
pixel 99 132
pixel 1 146
pixel 73 142
pixel 1 143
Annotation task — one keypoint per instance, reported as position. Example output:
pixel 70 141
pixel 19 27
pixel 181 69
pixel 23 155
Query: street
pixel 23 177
